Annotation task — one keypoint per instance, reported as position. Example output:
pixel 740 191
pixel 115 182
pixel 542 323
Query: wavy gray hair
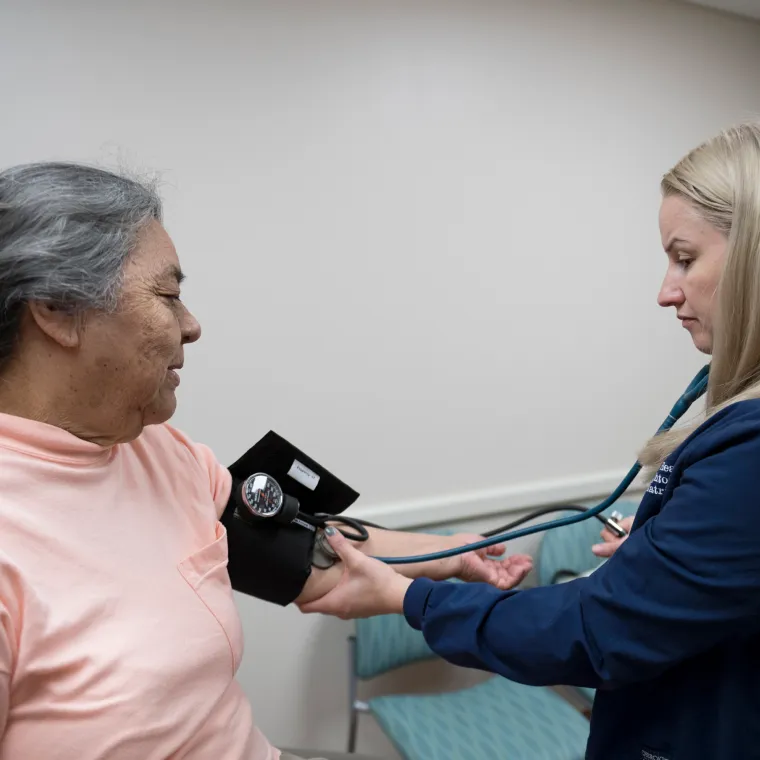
pixel 66 231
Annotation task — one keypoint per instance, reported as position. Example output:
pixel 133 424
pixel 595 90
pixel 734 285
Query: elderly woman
pixel 119 636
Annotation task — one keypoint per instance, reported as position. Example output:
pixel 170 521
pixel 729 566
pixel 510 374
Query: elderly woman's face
pixel 135 353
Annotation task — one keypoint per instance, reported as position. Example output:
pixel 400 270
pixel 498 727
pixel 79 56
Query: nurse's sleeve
pixel 686 580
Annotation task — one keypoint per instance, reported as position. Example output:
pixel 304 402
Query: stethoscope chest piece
pixel 324 555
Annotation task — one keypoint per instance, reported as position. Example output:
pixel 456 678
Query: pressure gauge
pixel 264 499
pixel 263 495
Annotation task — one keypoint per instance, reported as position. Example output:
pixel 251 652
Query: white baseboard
pixel 477 504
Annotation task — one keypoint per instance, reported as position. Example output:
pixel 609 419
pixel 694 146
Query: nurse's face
pixel 696 251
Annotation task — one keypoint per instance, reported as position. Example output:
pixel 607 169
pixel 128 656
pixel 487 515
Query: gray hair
pixel 66 231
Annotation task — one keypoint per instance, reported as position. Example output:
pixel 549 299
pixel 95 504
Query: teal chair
pixel 497 719
pixel 494 719
pixel 566 553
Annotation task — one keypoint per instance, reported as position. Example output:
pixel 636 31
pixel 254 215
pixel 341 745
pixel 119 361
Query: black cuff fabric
pixel 271 562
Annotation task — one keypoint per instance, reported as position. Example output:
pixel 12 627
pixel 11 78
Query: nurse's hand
pixel 611 541
pixel 367 587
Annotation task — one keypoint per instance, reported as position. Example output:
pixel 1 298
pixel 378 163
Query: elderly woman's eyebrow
pixel 173 273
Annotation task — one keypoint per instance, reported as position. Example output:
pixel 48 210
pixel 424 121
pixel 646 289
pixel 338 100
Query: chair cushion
pixel 496 719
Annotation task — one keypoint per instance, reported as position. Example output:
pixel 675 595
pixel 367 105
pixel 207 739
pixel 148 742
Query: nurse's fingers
pixel 607 549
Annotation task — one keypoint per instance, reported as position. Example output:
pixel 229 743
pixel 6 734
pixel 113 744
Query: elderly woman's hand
pixel 489 565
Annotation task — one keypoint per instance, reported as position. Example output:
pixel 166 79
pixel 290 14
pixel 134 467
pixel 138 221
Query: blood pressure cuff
pixel 272 561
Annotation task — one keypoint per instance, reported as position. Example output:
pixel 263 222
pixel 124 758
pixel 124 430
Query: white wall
pixel 746 8
pixel 421 238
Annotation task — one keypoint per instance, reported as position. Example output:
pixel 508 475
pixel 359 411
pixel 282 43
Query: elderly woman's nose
pixel 191 328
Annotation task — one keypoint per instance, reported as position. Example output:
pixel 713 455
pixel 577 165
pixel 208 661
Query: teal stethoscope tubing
pixel 696 388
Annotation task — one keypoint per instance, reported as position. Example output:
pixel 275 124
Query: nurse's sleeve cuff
pixel 416 601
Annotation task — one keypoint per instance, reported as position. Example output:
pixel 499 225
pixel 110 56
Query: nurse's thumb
pixel 606 549
pixel 341 545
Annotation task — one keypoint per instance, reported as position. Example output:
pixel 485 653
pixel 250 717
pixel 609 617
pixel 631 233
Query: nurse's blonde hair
pixel 721 180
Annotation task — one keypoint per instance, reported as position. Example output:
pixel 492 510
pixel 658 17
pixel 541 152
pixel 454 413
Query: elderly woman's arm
pixel 503 571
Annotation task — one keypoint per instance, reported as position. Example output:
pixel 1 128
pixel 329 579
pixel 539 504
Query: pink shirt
pixel 119 636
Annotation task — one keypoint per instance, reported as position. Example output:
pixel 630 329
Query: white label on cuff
pixel 304 475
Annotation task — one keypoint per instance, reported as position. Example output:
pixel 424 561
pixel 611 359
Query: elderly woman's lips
pixel 173 376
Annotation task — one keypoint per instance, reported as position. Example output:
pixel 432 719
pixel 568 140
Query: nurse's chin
pixel 702 339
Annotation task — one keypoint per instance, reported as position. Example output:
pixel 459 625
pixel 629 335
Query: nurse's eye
pixel 684 261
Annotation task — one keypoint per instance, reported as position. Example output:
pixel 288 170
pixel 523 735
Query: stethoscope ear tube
pixel 696 388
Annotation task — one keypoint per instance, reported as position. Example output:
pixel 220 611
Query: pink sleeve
pixel 5 673
pixel 10 613
pixel 220 480
pixel 219 477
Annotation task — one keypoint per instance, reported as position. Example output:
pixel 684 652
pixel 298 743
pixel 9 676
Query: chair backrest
pixel 386 642
pixel 568 549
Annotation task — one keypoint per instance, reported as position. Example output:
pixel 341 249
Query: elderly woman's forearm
pixel 393 543
pixel 387 543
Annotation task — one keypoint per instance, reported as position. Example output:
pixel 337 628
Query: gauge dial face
pixel 263 495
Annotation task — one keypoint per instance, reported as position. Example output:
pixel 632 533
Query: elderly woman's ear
pixel 61 324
